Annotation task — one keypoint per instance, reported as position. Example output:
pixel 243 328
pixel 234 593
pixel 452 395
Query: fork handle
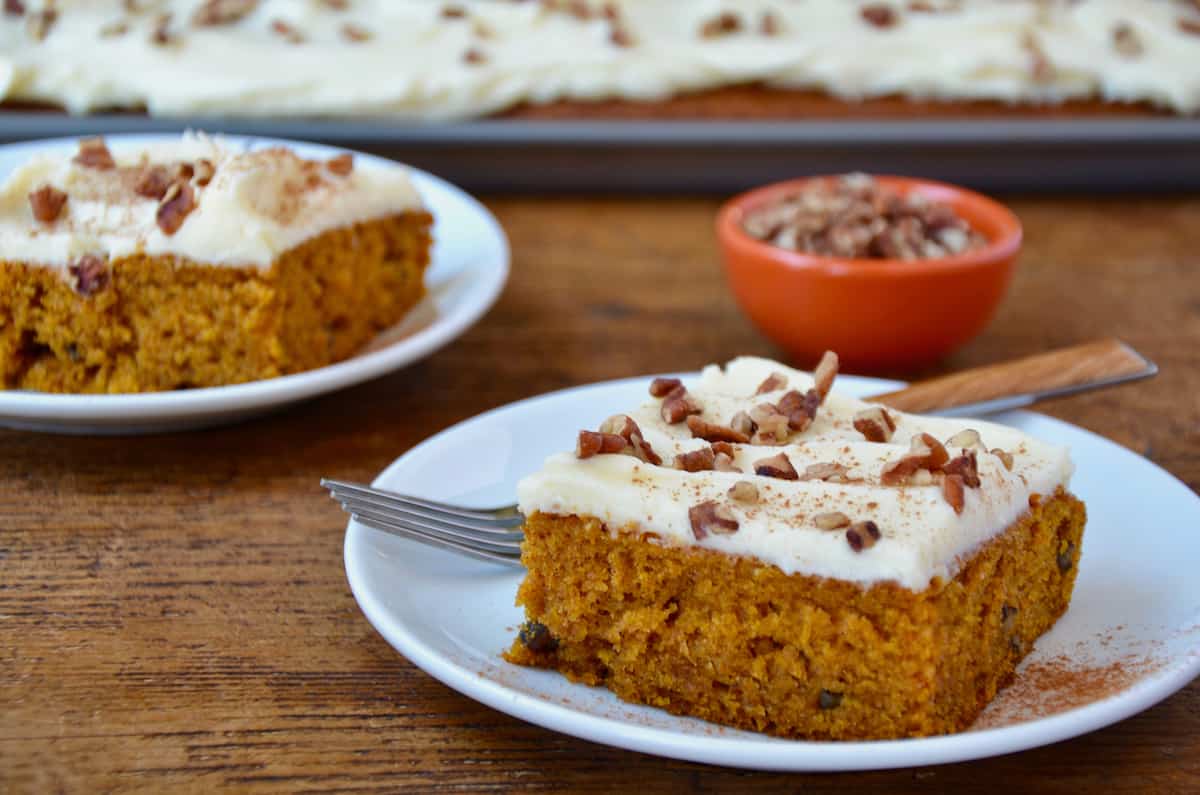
pixel 1020 382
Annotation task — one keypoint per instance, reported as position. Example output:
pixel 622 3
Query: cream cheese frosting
pixel 922 536
pixel 258 204
pixel 425 59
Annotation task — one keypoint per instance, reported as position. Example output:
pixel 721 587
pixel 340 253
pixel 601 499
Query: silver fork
pixel 491 534
pixel 494 535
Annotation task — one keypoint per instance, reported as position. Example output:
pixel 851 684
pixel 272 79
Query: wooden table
pixel 173 609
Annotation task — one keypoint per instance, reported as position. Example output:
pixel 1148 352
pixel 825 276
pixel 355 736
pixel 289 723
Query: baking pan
pixel 510 155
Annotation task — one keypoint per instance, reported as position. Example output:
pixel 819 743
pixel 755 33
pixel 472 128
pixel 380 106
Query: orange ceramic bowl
pixel 877 314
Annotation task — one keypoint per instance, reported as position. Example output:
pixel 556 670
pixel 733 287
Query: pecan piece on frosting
pixel 90 273
pixel 177 202
pixel 341 165
pixel 827 370
pixel 591 443
pixel 777 466
pixel 93 153
pixel 696 460
pixel 880 15
pixel 289 33
pixel 661 387
pixel 800 409
pixel 829 472
pixel 152 182
pixel 954 492
pixel 925 452
pixel 47 203
pixel 711 518
pixel 14 8
pixel 205 170
pixel 875 424
pixel 771 426
pixel 1126 40
pixel 1005 458
pixel 356 33
pixel 862 535
pixel 965 466
pixel 833 520
pixel 964 439
pixel 771 383
pixel 623 425
pixel 711 432
pixel 722 24
pixel 744 491
pixel 742 423
pixel 222 12
pixel 678 405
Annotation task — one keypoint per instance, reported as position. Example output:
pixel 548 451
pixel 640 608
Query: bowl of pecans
pixel 890 272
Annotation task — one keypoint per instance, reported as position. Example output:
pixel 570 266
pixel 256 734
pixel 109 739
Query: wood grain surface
pixel 174 614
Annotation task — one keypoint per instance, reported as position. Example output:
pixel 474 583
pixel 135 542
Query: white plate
pixel 468 269
pixel 1136 603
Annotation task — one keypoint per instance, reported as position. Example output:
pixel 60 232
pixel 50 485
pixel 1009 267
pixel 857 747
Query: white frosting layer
pixel 413 65
pixel 922 536
pixel 259 204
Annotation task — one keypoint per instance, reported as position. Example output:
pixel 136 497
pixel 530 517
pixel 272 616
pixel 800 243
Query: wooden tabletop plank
pixel 174 613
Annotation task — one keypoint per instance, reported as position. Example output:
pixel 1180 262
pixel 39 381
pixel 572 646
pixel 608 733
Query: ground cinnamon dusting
pixel 1046 687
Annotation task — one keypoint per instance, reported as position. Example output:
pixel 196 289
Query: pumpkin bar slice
pixel 191 262
pixel 756 550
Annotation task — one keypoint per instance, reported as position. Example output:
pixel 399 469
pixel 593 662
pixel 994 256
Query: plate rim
pixel 262 394
pixel 761 752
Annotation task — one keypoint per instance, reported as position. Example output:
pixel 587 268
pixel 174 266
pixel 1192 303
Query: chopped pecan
pixel 1189 26
pixel 830 472
pixel 833 520
pixel 711 518
pixel 826 371
pixel 91 274
pixel 341 165
pixel 880 15
pixel 925 452
pixel 862 535
pixel 678 405
pixel 1041 69
pixel 152 182
pixel 777 466
pixel 453 12
pixel 93 153
pixel 771 427
pixel 966 467
pixel 47 203
pixel 965 439
pixel 723 462
pixel 711 432
pixel 289 33
pixel 621 37
pixel 800 409
pixel 661 387
pixel 775 381
pixel 591 443
pixel 742 423
pixel 114 29
pixel 875 424
pixel 1126 40
pixel 40 23
pixel 205 171
pixel 696 460
pixel 769 24
pixel 14 8
pixel 953 491
pixel 355 33
pixel 177 202
pixel 744 491
pixel 624 426
pixel 722 24
pixel 1005 458
pixel 222 12
pixel 161 33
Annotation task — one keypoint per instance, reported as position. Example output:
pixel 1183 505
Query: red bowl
pixel 877 314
